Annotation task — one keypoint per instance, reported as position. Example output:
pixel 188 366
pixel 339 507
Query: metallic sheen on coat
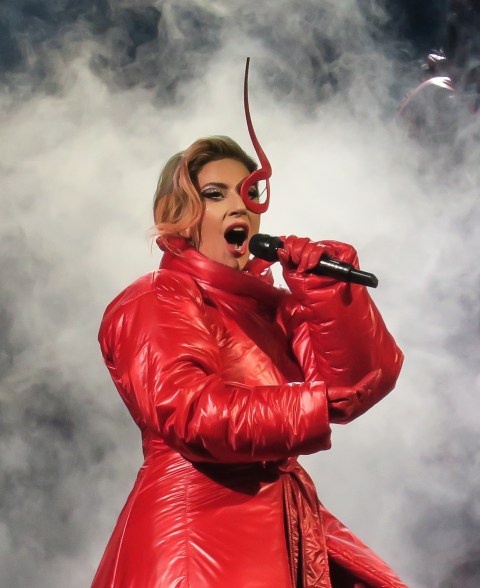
pixel 226 377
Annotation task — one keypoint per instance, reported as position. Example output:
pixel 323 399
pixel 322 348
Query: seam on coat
pixel 288 529
pixel 187 534
pixel 366 567
pixel 140 485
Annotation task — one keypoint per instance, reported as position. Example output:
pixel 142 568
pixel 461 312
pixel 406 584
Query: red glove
pixel 347 403
pixel 299 255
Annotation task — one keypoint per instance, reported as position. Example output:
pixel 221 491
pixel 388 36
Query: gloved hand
pixel 300 254
pixel 346 403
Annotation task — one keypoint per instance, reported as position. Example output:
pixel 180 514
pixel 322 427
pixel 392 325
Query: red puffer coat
pixel 226 378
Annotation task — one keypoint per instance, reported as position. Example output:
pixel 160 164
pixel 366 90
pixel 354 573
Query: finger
pixel 369 381
pixel 342 251
pixel 342 411
pixel 294 247
pixel 359 390
pixel 338 394
pixel 311 255
pixel 298 250
pixel 344 406
pixel 283 257
pixel 360 395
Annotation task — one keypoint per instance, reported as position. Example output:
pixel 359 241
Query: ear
pixel 189 235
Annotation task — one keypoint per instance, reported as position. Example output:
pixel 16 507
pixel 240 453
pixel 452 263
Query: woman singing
pixel 229 380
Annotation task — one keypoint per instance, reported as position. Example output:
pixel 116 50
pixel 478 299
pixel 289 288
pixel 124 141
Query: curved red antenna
pixel 265 170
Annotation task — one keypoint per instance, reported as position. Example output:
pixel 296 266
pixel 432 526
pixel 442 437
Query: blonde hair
pixel 177 205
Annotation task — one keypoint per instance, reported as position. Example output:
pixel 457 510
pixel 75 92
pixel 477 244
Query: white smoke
pixel 80 159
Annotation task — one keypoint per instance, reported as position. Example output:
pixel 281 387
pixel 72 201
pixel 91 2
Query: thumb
pixel 366 385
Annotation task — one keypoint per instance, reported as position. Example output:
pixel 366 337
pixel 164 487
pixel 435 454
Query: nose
pixel 237 205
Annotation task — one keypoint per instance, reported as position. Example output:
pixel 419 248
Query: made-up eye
pixel 212 194
pixel 258 192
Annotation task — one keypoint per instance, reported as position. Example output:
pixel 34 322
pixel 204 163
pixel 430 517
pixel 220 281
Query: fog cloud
pixel 94 98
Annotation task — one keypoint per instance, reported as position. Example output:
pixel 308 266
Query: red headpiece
pixel 265 170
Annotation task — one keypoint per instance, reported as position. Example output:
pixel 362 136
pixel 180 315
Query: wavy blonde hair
pixel 177 204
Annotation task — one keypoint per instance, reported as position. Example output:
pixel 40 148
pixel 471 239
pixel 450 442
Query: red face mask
pixel 265 171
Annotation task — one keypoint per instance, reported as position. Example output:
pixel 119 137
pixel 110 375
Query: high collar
pixel 254 284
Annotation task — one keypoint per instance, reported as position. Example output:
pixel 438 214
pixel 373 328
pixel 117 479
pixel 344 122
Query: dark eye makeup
pixel 216 193
pixel 212 194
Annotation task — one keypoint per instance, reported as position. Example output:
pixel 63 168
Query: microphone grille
pixel 265 246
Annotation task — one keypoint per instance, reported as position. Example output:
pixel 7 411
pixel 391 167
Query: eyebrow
pixel 222 185
pixel 215 184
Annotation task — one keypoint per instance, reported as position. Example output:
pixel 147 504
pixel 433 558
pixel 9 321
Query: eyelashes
pixel 216 194
pixel 212 194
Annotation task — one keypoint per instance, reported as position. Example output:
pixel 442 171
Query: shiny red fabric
pixel 226 377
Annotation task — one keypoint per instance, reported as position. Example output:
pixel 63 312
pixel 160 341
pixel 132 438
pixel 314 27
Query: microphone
pixel 265 247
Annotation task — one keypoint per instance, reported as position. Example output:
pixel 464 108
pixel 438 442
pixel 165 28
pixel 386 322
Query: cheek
pixel 208 220
pixel 211 226
pixel 213 213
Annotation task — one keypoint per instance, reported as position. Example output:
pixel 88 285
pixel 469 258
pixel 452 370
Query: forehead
pixel 225 171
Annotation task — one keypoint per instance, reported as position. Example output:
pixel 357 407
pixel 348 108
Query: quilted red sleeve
pixel 339 336
pixel 166 365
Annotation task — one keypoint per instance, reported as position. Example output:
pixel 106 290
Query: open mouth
pixel 236 237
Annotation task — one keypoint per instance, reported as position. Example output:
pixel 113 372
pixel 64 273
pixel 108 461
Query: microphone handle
pixel 340 270
pixel 344 271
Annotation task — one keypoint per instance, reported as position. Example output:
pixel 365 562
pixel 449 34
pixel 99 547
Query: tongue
pixel 236 250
